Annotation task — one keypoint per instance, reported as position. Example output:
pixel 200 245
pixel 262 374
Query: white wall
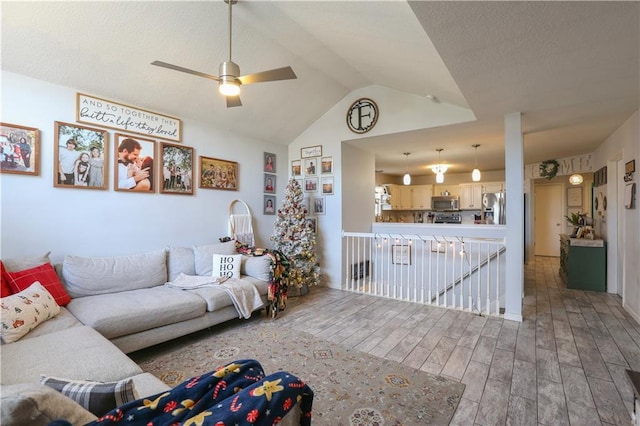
pixel 36 217
pixel 398 112
pixel 624 143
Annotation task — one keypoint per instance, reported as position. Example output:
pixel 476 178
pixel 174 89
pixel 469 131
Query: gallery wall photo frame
pixel 311 151
pixel 401 254
pixel 80 158
pixel 20 149
pixel 310 184
pixel 296 168
pixel 269 184
pixel 574 197
pixel 269 162
pixel 326 183
pixel 312 223
pixel 216 173
pixel 310 166
pixel 326 165
pixel 269 206
pixel 125 118
pixel 319 205
pixel 135 165
pixel 176 169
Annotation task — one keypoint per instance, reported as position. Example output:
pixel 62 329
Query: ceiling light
pixel 229 87
pixel 475 174
pixel 406 179
pixel 575 179
pixel 439 169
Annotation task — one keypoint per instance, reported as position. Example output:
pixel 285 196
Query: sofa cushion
pixel 257 267
pixel 62 321
pixel 79 353
pixel 20 263
pixel 226 265
pixel 88 276
pixel 45 275
pixel 180 260
pixel 38 405
pixel 217 298
pixel 97 397
pixel 119 314
pixel 24 311
pixel 203 255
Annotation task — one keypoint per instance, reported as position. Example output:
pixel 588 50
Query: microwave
pixel 445 203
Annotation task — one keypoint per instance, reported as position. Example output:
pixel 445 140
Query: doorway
pixel 548 219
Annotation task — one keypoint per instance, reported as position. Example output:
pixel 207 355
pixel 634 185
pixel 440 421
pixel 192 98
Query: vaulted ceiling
pixel 571 68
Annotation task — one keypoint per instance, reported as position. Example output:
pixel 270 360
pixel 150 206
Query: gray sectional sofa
pixel 119 305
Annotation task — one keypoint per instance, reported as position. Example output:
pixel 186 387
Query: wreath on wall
pixel 549 169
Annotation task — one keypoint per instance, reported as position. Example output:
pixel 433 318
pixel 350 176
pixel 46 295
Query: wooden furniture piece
pixel 583 263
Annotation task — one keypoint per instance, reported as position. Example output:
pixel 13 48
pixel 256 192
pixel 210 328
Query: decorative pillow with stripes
pixel 96 397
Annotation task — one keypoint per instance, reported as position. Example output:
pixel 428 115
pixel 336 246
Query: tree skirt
pixel 350 387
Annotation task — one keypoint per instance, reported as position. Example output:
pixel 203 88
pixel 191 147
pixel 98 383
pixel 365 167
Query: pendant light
pixel 439 168
pixel 406 179
pixel 475 174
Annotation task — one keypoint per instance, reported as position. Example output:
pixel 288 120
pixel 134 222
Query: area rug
pixel 350 387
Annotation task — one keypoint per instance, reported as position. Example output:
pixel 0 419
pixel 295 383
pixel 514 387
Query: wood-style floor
pixel 563 365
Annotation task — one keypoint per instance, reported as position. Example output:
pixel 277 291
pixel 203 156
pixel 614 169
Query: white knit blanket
pixel 244 295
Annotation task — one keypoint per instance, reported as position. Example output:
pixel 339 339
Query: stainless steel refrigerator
pixel 494 210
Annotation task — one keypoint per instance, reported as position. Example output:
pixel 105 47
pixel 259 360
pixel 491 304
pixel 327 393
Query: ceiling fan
pixel 230 79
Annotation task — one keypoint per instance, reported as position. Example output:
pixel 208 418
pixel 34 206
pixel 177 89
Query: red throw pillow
pixel 46 275
pixel 5 290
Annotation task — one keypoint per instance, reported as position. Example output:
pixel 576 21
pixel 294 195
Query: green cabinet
pixel 583 263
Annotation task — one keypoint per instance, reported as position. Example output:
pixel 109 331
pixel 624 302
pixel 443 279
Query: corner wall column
pixel 514 176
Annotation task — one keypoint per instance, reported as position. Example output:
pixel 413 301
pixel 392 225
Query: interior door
pixel 548 219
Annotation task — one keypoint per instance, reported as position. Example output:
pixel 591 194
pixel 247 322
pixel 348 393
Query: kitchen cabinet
pixel 583 263
pixel 421 197
pixel 411 197
pixel 470 196
pixel 492 187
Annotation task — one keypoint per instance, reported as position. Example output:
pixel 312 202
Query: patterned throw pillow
pixel 24 311
pixel 226 265
pixel 96 397
pixel 46 275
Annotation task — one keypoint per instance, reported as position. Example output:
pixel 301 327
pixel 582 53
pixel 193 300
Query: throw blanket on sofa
pixel 278 283
pixel 244 295
pixel 238 393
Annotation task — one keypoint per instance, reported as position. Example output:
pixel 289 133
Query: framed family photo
pixel 269 205
pixel 312 223
pixel 296 168
pixel 269 162
pixel 177 169
pixel 80 157
pixel 218 174
pixel 327 165
pixel 19 149
pixel 311 185
pixel 327 185
pixel 310 166
pixel 269 183
pixel 134 164
pixel 319 205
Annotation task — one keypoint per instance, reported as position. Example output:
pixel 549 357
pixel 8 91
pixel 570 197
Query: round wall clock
pixel 362 115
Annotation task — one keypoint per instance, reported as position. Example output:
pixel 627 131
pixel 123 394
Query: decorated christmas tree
pixel 294 236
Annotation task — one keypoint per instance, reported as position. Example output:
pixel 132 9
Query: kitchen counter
pixel 440 229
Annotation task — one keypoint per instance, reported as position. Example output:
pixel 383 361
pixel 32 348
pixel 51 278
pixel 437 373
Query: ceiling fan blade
pixel 285 73
pixel 182 69
pixel 233 101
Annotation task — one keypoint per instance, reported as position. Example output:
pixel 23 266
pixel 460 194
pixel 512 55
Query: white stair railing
pixel 464 273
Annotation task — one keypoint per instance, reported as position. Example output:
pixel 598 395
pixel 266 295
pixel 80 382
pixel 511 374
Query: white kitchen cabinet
pixel 412 197
pixel 421 197
pixel 471 196
pixel 492 187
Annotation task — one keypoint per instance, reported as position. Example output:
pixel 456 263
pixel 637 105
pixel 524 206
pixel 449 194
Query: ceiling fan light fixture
pixel 576 179
pixel 229 87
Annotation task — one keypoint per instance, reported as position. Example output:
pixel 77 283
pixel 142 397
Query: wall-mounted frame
pixel 114 115
pixel 574 196
pixel 326 166
pixel 327 185
pixel 310 166
pixel 269 206
pixel 310 184
pixel 75 146
pixel 600 177
pixel 218 174
pixel 135 164
pixel 319 206
pixel 20 153
pixel 311 151
pixel 438 247
pixel 269 184
pixel 312 223
pixel 269 162
pixel 306 203
pixel 401 254
pixel 177 169
pixel 630 166
pixel 296 168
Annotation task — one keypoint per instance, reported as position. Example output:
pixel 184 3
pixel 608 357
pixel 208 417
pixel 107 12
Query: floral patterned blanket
pixel 235 394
